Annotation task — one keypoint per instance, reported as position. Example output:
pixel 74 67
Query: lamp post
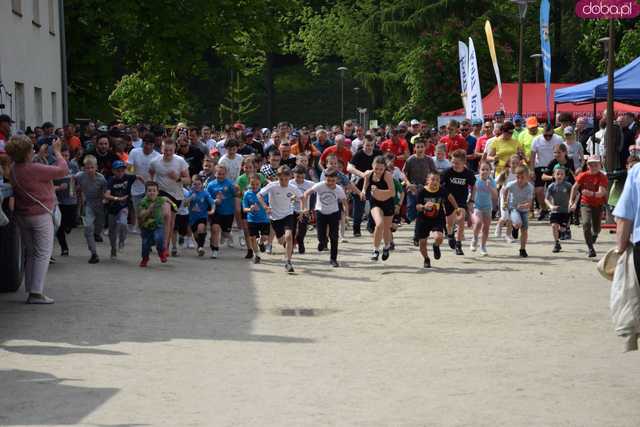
pixel 537 57
pixel 611 137
pixel 342 70
pixel 522 12
pixel 357 91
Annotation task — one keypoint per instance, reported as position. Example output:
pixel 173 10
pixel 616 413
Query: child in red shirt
pixel 592 185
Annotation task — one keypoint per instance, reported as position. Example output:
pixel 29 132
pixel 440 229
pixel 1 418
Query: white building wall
pixel 30 54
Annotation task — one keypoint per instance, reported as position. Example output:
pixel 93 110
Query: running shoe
pixel 98 238
pixel 523 253
pixel 190 244
pixel 498 233
pixel 556 248
pixel 474 244
pixel 592 253
pixel 164 257
pixel 94 259
pixel 334 263
pixel 426 263
pixel 39 299
pixel 288 267
pixel 174 252
pixel 483 251
pixel 256 259
pixel 452 241
pixel 436 251
pixel 214 254
pixel 459 248
pixel 375 255
pixel 144 261
pixel 249 254
pixel 64 252
pixel 200 251
pixel 261 247
pixel 114 254
pixel 385 254
pixel 230 243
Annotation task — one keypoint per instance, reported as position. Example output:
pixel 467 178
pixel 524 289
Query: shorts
pixel 504 212
pixel 482 213
pixel 449 209
pixel 388 207
pixel 259 229
pixel 182 224
pixel 194 226
pixel 224 221
pixel 538 181
pixel 176 202
pixel 424 227
pixel 562 219
pixel 281 225
pixel 520 218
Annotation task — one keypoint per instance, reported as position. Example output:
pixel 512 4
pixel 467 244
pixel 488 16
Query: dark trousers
pixel 300 231
pixel 591 220
pixel 357 212
pixel 333 222
pixel 67 223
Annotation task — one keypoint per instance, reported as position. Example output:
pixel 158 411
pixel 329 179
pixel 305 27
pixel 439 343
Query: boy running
pixel 302 221
pixel 557 200
pixel 518 199
pixel 592 185
pixel 152 213
pixel 118 194
pixel 92 185
pixel 457 180
pixel 282 195
pixel 201 205
pixel 257 218
pixel 430 201
pixel 329 197
pixel 223 191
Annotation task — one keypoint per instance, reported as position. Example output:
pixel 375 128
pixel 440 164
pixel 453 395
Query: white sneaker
pixel 214 254
pixel 230 243
pixel 242 242
pixel 474 244
pixel 498 231
pixel 483 251
pixel 190 243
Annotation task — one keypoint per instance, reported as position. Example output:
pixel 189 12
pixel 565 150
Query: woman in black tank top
pixel 378 186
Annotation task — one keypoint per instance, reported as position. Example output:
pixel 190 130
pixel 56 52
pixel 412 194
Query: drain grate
pixel 303 312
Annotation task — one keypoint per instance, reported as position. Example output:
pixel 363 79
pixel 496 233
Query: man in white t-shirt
pixel 282 197
pixel 357 143
pixel 138 164
pixel 231 160
pixel 171 172
pixel 541 155
pixel 329 197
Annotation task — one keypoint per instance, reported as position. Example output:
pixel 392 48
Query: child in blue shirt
pixel 223 191
pixel 201 205
pixel 486 193
pixel 257 218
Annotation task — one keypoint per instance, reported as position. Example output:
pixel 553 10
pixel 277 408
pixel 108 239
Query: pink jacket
pixel 36 179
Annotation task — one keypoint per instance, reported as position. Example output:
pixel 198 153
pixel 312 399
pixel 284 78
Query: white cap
pixel 414 122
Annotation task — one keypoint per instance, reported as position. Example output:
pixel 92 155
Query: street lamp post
pixel 537 57
pixel 342 70
pixel 611 137
pixel 522 12
pixel 357 91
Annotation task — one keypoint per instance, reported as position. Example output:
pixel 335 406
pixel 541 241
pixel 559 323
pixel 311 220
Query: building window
pixel 16 7
pixel 37 104
pixel 20 109
pixel 52 18
pixel 54 108
pixel 36 13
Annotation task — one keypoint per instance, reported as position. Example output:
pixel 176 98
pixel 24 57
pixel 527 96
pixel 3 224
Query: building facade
pixel 31 68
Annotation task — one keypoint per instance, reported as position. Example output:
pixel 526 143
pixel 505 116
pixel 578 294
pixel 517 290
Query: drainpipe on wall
pixel 63 64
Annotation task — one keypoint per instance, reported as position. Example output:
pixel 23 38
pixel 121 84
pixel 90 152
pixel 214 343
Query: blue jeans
pixel 358 212
pixel 151 237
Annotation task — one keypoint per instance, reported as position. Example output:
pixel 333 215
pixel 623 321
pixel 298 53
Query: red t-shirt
pixel 397 149
pixel 591 182
pixel 457 142
pixel 482 142
pixel 344 155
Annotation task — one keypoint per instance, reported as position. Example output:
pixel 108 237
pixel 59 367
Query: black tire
pixel 11 254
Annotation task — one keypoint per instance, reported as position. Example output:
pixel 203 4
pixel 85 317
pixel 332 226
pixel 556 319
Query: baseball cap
pixel 594 158
pixel 293 136
pixel 5 118
pixel 568 130
pixel 499 113
pixel 414 122
pixel 118 164
pixel 532 122
pixel 476 122
pixel 517 118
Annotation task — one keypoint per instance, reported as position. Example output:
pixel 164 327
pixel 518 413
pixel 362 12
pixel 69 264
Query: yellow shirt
pixel 504 149
pixel 526 139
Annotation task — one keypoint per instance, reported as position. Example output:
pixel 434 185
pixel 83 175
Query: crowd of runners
pixel 188 191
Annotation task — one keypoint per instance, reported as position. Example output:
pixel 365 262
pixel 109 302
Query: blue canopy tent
pixel 626 88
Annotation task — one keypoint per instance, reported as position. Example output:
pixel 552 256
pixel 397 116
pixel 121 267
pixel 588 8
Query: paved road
pixel 475 342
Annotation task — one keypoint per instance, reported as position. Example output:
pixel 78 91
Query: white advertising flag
pixel 474 97
pixel 463 60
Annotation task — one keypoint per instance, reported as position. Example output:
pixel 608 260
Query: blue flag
pixel 545 47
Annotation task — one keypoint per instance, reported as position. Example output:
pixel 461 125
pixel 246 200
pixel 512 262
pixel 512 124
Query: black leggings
pixel 67 223
pixel 333 222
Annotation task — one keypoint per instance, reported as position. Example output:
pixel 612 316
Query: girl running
pixel 506 177
pixel 486 193
pixel 378 186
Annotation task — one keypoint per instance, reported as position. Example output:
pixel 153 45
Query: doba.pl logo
pixel 607 9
